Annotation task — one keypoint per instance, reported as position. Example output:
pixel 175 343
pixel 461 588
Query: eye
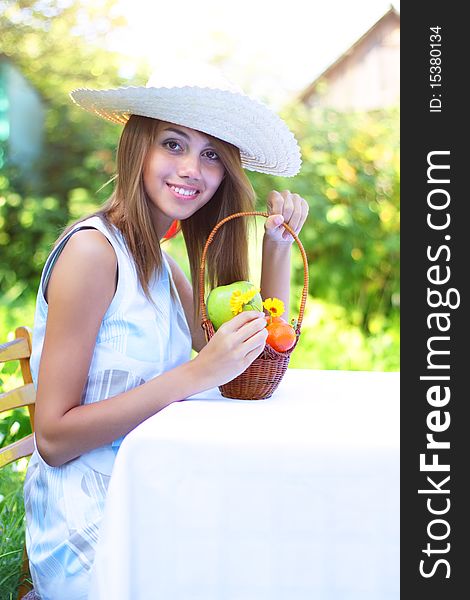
pixel 172 145
pixel 211 155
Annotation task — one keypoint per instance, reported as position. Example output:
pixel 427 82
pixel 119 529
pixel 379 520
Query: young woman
pixel 116 317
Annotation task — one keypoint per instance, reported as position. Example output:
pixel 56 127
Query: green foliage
pixel 350 178
pixel 56 46
pixel 328 340
pixel 29 224
pixel 11 530
pixel 14 425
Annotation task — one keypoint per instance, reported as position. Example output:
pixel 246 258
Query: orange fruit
pixel 281 335
pixel 270 319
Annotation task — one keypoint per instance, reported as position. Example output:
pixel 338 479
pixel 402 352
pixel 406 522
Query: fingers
pixel 292 207
pixel 299 214
pixel 242 319
pixel 248 328
pixel 274 224
pixel 275 203
pixel 253 333
pixel 242 338
pixel 250 357
pixel 288 207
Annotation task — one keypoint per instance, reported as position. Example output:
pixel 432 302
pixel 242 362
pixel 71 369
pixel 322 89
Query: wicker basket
pixel 264 374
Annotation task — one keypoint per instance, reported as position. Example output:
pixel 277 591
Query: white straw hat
pixel 204 100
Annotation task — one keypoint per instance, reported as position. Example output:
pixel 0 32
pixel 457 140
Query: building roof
pixel 391 15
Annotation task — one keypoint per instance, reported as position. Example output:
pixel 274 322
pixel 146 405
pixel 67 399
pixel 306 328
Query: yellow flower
pixel 274 306
pixel 239 299
pixel 236 302
pixel 249 295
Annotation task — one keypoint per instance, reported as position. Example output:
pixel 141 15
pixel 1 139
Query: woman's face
pixel 182 172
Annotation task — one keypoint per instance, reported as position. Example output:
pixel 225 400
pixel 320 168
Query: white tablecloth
pixel 291 498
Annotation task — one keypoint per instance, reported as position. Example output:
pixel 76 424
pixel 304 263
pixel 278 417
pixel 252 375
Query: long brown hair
pixel 128 209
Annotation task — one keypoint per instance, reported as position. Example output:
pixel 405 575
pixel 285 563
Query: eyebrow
pixel 183 134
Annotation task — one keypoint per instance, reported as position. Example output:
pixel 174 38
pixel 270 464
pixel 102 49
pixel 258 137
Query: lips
pixel 184 192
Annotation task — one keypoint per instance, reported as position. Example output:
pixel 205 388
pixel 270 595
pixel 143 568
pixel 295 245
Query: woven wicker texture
pixel 265 373
pixel 265 142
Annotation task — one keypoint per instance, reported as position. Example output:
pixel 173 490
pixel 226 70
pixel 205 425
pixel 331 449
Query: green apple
pixel 218 302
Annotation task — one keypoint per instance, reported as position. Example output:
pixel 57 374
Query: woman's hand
pixel 232 349
pixel 284 207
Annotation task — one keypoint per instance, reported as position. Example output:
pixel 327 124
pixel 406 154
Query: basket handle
pixel 206 323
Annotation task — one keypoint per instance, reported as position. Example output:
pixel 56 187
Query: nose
pixel 190 166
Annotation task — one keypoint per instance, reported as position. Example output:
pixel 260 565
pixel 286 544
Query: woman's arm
pixel 275 272
pixel 283 207
pixel 80 290
pixel 185 292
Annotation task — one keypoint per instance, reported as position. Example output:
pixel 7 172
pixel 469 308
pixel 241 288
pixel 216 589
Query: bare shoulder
pixel 89 245
pixel 85 271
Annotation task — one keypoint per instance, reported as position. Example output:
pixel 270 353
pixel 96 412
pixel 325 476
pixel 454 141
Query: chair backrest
pixel 19 349
pixel 23 395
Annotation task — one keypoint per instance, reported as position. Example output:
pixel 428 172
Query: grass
pixel 12 527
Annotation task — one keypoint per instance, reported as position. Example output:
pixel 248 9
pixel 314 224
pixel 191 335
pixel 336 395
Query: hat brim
pixel 265 142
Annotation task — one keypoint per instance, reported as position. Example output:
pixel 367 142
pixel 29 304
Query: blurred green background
pixel 349 176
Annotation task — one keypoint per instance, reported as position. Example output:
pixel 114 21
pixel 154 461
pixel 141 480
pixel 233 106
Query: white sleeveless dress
pixel 135 343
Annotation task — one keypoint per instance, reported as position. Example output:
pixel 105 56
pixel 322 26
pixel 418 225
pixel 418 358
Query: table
pixel 291 498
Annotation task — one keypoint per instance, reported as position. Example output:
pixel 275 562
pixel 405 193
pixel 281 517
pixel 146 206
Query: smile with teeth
pixel 183 191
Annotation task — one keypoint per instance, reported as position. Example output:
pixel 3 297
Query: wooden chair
pixel 23 395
